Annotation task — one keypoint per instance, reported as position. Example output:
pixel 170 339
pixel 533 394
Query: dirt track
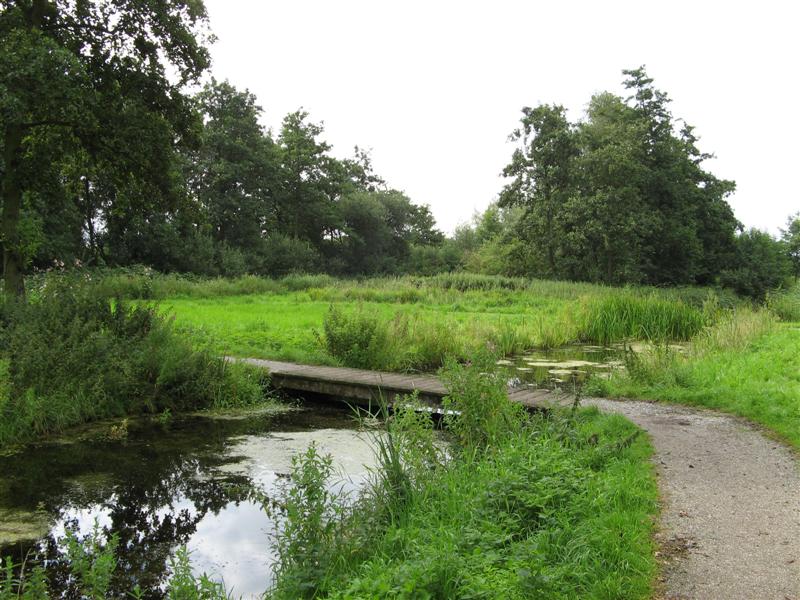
pixel 730 523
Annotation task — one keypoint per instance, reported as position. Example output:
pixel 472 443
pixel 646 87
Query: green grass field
pixel 425 320
pixel 740 361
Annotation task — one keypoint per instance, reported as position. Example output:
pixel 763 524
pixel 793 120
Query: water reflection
pixel 162 488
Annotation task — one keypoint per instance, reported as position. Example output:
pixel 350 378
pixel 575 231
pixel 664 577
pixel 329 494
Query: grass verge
pixel 747 365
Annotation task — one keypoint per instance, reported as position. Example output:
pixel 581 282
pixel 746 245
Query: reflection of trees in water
pixel 143 513
pixel 138 483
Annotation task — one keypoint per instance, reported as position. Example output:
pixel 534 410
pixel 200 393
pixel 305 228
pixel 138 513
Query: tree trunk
pixel 13 261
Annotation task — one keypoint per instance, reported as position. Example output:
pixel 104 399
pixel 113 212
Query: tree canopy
pixel 90 111
pixel 620 196
pixel 107 160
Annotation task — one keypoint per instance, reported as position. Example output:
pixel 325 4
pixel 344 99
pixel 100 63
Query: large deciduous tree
pixel 99 86
pixel 620 196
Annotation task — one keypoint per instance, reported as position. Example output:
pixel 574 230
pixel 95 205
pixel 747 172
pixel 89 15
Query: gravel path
pixel 730 523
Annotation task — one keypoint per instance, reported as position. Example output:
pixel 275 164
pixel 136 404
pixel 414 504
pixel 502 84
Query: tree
pixel 92 78
pixel 761 264
pixel 791 239
pixel 620 196
pixel 234 172
pixel 542 171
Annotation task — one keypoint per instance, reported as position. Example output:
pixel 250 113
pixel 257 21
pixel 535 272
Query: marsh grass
pixel 623 316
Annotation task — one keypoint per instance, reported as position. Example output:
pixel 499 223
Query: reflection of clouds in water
pixel 235 543
pixel 235 546
pixel 83 519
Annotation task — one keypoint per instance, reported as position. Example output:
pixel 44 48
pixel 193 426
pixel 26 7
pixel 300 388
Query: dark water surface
pixel 564 367
pixel 164 486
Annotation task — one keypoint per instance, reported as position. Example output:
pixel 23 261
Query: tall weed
pixel 480 411
pixel 310 533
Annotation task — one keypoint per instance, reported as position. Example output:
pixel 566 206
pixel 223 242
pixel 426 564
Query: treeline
pixel 237 199
pixel 621 197
pixel 108 161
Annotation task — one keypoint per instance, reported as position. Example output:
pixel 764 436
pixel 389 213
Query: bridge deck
pixel 363 385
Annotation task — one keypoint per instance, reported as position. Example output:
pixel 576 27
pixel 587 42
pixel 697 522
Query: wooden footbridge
pixel 369 386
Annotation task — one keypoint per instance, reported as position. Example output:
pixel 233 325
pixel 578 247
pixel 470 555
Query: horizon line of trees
pixel 106 160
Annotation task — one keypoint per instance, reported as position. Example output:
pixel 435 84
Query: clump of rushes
pixel 622 316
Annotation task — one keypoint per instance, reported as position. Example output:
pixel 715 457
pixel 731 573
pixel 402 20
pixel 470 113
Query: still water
pixel 565 367
pixel 166 485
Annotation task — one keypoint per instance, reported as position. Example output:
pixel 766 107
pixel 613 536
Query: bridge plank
pixel 361 384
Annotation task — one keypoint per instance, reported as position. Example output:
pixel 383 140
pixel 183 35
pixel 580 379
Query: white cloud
pixel 434 88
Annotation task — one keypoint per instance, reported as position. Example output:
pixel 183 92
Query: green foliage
pixel 90 561
pixel 761 265
pixel 791 240
pixel 482 414
pixel 93 130
pixel 620 197
pixel 91 564
pixel 75 356
pixel 183 585
pixel 551 507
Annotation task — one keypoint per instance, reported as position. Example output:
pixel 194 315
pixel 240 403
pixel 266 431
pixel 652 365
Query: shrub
pixel 75 356
pixel 360 339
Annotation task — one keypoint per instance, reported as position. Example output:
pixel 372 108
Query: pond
pixel 565 366
pixel 166 485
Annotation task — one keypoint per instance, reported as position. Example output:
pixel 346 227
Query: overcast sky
pixel 434 88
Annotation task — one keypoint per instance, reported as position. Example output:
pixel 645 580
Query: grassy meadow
pixel 414 324
pixel 560 506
